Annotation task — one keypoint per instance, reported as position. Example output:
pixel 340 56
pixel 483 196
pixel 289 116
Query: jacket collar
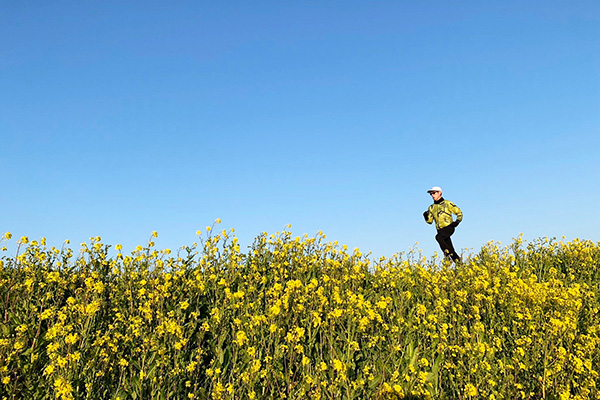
pixel 439 201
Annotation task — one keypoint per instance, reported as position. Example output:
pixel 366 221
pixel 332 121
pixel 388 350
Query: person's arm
pixel 457 211
pixel 428 215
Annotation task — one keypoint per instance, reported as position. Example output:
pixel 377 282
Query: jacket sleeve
pixel 429 218
pixel 455 210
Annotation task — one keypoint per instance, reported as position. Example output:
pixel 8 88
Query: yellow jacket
pixel 441 212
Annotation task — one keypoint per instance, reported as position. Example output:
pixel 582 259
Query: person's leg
pixel 443 238
pixel 451 252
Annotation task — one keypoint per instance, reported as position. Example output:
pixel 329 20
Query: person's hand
pixel 426 215
pixel 455 223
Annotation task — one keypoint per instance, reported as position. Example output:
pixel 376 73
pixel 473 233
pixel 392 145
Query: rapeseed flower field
pixel 298 317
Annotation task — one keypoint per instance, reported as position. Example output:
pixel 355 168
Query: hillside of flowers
pixel 295 318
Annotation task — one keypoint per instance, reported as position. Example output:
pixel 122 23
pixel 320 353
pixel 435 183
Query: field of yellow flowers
pixel 298 318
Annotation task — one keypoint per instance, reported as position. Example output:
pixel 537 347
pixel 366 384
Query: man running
pixel 441 212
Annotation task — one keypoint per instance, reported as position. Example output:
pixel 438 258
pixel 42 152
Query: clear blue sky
pixel 121 118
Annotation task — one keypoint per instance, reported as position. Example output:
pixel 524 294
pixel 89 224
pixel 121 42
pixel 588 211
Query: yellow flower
pixel 93 307
pixel 470 390
pixel 192 366
pixel 275 310
pixel 241 338
pixel 339 365
pixel 71 338
pixel 63 388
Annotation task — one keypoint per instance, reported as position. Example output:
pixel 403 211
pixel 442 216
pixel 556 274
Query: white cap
pixel 435 189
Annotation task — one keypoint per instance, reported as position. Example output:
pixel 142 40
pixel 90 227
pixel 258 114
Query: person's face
pixel 435 195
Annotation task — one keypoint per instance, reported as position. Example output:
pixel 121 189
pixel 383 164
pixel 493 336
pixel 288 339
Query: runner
pixel 441 212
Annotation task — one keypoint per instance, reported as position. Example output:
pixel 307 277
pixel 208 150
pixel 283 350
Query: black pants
pixel 443 238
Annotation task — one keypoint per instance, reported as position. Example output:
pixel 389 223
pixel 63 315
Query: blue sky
pixel 121 118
